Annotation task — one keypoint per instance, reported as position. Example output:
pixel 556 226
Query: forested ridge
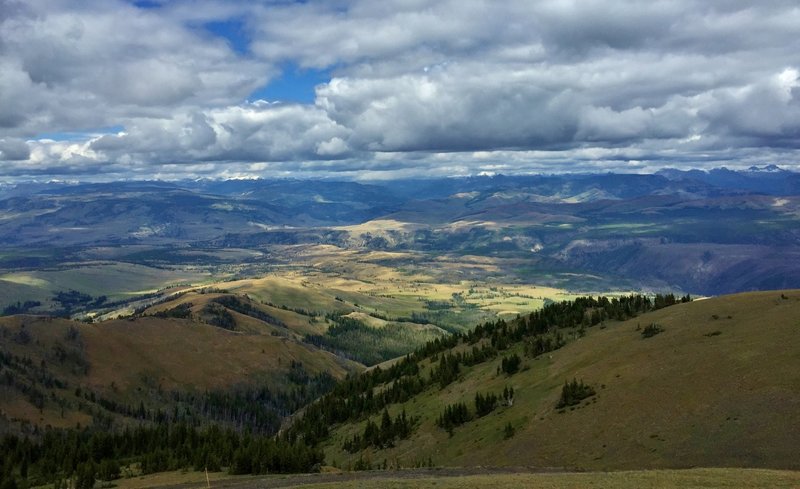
pixel 226 438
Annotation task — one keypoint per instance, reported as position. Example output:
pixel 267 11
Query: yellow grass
pixel 25 279
pixel 363 278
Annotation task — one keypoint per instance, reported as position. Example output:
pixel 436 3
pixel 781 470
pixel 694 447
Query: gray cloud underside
pixel 418 87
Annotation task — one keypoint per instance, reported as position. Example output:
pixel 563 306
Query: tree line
pixel 86 455
pixel 382 436
pixel 232 429
pixel 359 397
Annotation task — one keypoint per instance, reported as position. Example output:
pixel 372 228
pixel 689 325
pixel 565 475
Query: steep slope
pixel 717 386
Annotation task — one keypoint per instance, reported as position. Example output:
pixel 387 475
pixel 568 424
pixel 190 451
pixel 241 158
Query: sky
pixel 364 89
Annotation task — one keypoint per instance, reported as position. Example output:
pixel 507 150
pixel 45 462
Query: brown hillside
pixel 193 354
pixel 125 359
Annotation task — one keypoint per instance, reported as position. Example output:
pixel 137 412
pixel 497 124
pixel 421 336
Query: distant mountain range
pixel 769 179
pixel 705 232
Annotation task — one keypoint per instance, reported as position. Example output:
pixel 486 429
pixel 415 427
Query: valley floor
pixel 489 478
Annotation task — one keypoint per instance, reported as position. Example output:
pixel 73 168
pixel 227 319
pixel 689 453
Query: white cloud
pixel 419 86
pixel 258 132
pixel 335 146
pixel 74 66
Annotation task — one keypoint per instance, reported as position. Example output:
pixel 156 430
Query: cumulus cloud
pixel 766 112
pixel 14 150
pixel 70 66
pixel 257 131
pixel 417 86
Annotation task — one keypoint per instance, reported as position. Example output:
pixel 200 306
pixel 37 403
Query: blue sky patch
pixel 294 85
pixel 79 135
pixel 233 31
pixel 146 4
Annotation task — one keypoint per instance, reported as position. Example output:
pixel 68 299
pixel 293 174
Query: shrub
pixel 484 404
pixel 508 431
pixel 510 365
pixel 651 330
pixel 453 415
pixel 573 393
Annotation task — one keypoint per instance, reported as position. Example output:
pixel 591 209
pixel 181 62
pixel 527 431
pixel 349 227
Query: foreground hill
pixel 63 373
pixel 629 382
pixel 715 384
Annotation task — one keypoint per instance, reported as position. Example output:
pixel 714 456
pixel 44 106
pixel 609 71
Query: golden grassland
pixel 313 277
pixel 392 283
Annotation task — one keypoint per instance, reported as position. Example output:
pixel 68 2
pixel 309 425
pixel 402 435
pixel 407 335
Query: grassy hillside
pixel 717 386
